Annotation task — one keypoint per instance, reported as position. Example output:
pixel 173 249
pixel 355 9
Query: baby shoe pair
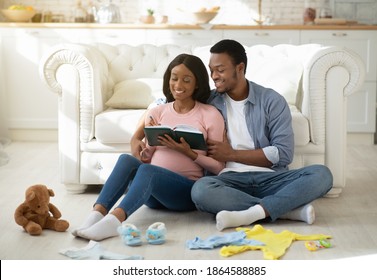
pixel 131 235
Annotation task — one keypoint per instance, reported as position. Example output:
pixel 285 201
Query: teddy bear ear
pixel 51 192
pixel 30 196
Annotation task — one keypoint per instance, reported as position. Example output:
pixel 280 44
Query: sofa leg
pixel 75 188
pixel 334 192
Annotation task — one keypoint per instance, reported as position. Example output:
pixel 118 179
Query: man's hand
pixel 221 151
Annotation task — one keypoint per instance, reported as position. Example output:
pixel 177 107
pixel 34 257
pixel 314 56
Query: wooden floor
pixel 350 219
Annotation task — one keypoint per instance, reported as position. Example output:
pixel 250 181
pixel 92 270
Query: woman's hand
pixel 137 146
pixel 182 147
pixel 146 155
pixel 152 122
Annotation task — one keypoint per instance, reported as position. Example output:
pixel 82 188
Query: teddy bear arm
pixel 19 215
pixel 54 211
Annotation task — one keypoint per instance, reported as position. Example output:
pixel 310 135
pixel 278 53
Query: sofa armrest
pixel 318 82
pixel 79 74
pixel 331 74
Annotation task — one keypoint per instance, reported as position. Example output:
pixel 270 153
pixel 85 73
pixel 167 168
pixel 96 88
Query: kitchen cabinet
pixel 184 37
pixel 362 104
pixel 263 36
pixel 112 36
pixel 361 110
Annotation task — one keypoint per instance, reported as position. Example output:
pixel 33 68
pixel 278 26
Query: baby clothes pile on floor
pixel 273 245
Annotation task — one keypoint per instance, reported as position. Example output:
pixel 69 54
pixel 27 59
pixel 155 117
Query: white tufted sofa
pixel 103 90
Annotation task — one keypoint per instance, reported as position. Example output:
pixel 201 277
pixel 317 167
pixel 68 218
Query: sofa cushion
pixel 282 75
pixel 271 67
pixel 276 71
pixel 135 94
pixel 116 126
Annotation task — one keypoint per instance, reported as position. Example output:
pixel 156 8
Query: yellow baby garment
pixel 275 243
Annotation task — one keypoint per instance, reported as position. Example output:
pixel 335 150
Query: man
pixel 256 183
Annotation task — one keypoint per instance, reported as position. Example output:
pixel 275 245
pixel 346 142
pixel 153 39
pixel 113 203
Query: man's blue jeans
pixel 277 192
pixel 146 184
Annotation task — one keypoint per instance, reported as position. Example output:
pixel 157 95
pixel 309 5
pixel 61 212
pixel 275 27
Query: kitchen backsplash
pixel 231 12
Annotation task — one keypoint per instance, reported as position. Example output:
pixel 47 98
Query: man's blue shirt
pixel 268 120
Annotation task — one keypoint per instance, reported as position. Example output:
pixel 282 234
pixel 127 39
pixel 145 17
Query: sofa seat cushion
pixel 116 125
pixel 300 125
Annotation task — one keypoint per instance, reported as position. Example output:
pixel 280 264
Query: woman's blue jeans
pixel 146 184
pixel 277 192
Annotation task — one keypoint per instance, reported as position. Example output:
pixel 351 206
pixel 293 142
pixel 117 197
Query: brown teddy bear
pixel 34 213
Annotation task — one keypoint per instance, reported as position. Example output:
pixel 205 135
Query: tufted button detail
pixel 99 166
pixel 130 68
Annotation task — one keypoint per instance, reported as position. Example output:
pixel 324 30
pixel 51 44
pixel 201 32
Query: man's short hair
pixel 233 48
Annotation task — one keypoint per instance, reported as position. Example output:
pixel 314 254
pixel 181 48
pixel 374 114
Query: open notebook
pixel 192 136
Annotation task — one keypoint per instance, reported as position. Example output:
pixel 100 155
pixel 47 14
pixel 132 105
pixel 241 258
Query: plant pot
pixel 147 19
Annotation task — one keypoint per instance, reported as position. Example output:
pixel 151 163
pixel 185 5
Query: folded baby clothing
pixel 94 251
pixel 275 244
pixel 233 238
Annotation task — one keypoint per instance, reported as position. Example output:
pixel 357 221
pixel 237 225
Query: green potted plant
pixel 149 17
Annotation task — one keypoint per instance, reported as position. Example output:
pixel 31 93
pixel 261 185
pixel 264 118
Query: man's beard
pixel 222 92
pixel 227 89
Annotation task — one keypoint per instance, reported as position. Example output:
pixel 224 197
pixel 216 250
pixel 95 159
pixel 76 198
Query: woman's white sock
pixel 226 219
pixel 93 218
pixel 107 227
pixel 305 213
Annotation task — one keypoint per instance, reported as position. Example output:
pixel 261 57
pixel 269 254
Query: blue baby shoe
pixel 131 236
pixel 156 233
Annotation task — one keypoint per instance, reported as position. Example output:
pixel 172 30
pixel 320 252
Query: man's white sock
pixel 305 213
pixel 93 218
pixel 226 219
pixel 107 227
